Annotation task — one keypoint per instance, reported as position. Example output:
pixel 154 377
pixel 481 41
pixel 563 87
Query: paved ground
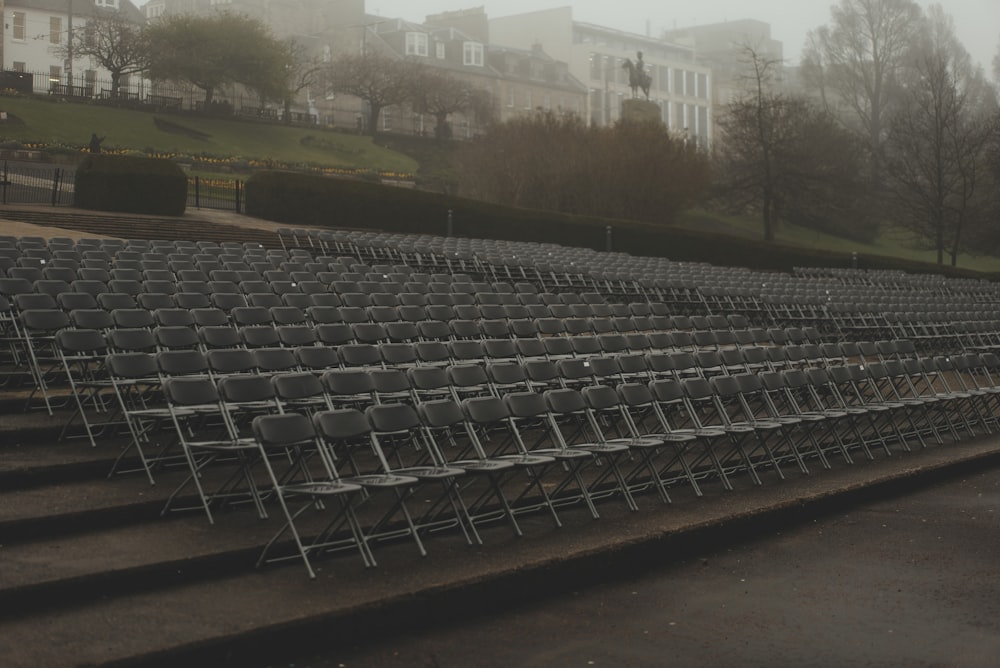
pixel 909 581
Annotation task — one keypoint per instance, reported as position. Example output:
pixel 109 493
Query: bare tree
pixel 782 158
pixel 377 79
pixel 440 95
pixel 113 42
pixel 938 142
pixel 864 49
pixel 302 72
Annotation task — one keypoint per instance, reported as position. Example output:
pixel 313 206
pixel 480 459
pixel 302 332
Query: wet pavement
pixel 910 581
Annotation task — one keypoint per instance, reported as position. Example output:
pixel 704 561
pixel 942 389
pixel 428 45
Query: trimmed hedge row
pixel 297 199
pixel 130 184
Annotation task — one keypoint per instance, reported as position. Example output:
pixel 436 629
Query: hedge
pixel 297 199
pixel 131 184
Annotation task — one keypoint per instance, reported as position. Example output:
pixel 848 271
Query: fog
pixel 977 22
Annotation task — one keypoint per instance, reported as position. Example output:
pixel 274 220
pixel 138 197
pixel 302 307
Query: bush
pixel 300 199
pixel 131 184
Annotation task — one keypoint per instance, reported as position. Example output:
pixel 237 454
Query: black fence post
pixel 450 230
pixel 56 179
pixel 197 193
pixel 239 193
pixel 6 181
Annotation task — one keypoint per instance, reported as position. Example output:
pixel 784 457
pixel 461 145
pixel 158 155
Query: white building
pixel 35 36
pixel 681 86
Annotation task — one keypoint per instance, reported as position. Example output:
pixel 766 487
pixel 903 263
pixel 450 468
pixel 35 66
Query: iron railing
pixel 24 183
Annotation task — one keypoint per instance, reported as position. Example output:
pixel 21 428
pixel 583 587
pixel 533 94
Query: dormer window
pixel 416 44
pixel 106 3
pixel 439 50
pixel 472 54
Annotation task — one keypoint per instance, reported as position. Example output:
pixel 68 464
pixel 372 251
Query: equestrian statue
pixel 637 76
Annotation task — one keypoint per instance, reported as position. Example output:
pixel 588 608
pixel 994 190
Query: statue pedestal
pixel 640 111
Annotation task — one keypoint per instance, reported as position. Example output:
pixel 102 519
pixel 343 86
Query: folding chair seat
pixel 255 287
pixel 434 331
pixel 383 314
pixel 360 355
pixel 294 336
pixel 835 386
pixel 259 336
pixel 858 388
pixel 411 312
pixel 465 351
pixel 369 332
pixel 468 380
pixel 500 349
pixel 81 353
pixel 154 300
pixel 349 387
pixel 275 360
pixel 317 358
pixel 793 432
pixel 390 386
pixel 343 434
pixel 251 315
pixel 446 422
pixel 429 382
pixel 529 417
pixel 35 342
pixel 295 436
pixel 334 334
pixel 176 337
pixel 166 287
pixel 791 393
pixel 205 434
pixel 177 317
pixel 192 300
pixel 73 301
pixel 56 273
pixel 228 361
pixel 494 329
pixel 227 301
pixel 352 314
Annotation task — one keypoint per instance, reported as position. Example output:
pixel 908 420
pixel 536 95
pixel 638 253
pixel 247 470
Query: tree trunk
pixel 373 113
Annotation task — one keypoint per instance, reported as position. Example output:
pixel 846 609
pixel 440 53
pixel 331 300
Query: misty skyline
pixel 977 22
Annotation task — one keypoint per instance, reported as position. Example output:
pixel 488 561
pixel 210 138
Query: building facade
pixel 680 87
pixel 36 40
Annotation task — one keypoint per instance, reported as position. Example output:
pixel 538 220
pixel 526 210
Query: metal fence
pixel 26 183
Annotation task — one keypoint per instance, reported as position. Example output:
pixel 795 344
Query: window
pixel 440 50
pixel 18 66
pixel 19 24
pixel 596 66
pixel 527 100
pixel 55 29
pixel 108 3
pixel 510 96
pixel 89 35
pixel 472 54
pixel 55 74
pixel 703 86
pixel 90 77
pixel 416 44
pixel 678 82
pixel 664 77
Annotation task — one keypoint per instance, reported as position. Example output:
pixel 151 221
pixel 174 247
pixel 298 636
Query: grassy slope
pixel 890 243
pixel 60 123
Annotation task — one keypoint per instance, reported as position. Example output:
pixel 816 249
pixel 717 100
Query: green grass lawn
pixel 57 123
pixel 890 243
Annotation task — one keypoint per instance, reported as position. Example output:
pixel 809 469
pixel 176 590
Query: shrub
pixel 131 184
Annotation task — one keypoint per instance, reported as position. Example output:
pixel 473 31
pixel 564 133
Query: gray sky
pixel 977 22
